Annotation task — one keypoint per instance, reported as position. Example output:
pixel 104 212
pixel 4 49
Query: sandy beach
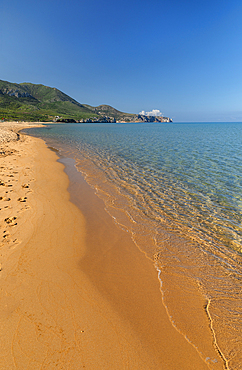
pixel 71 291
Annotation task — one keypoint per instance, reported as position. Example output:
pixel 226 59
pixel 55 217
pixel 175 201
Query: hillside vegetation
pixel 31 102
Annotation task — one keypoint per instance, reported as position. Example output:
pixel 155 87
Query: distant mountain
pixel 108 111
pixel 31 102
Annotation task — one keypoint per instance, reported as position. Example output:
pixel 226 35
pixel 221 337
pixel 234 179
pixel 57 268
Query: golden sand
pixel 75 291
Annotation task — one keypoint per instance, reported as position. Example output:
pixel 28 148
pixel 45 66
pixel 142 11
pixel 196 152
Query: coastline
pixel 74 298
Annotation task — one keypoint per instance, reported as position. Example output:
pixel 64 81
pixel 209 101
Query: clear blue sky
pixel 183 57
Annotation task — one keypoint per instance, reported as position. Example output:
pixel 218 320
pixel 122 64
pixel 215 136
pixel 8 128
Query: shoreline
pixel 116 253
pixel 72 297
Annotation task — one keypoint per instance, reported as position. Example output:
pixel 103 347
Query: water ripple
pixel 178 189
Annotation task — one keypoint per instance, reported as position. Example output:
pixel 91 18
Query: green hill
pixel 31 102
pixel 107 110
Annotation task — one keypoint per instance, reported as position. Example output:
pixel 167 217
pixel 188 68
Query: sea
pixel 177 189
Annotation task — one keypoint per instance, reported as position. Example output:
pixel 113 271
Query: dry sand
pixel 75 292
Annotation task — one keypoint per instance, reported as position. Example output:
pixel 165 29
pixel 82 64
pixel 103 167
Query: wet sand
pixel 75 291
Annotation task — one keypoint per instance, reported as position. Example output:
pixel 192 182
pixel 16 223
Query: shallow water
pixel 178 189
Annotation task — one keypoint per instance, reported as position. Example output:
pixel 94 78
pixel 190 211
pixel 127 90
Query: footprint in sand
pixel 25 186
pixel 5 199
pixel 22 199
pixel 10 221
pixel 6 236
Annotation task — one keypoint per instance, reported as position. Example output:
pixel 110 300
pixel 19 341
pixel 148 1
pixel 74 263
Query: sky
pixel 180 57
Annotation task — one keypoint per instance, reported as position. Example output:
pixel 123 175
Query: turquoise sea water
pixel 177 188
